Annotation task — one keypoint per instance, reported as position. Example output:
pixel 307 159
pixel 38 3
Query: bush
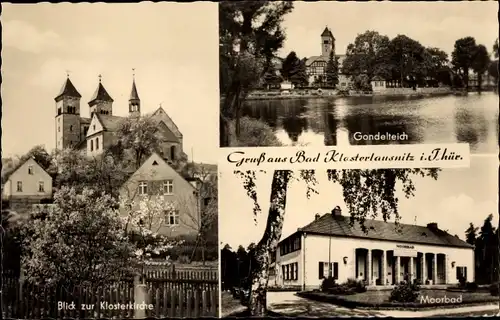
pixel 328 283
pixel 358 285
pixel 494 289
pixel 405 292
pixel 253 133
pixel 471 286
pixel 462 281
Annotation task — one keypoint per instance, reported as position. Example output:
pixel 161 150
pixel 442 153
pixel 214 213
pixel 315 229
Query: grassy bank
pixel 253 133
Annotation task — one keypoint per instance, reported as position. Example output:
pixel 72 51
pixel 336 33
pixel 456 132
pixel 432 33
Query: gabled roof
pixel 108 122
pixel 18 166
pixel 85 120
pixel 312 59
pixel 100 94
pixel 167 134
pixel 327 33
pixel 133 94
pixel 68 90
pixel 329 224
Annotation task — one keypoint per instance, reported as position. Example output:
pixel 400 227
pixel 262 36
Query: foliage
pixel 471 234
pixel 408 57
pixel 271 77
pixel 294 70
pixel 369 54
pixel 140 135
pixel 495 49
pixel 493 70
pixel 11 241
pixel 250 34
pixel 358 285
pixel 463 56
pixel 332 70
pixel 328 283
pixel 80 239
pixel 351 286
pixel 405 292
pixel 471 286
pixel 480 63
pixel 254 133
pixel 362 82
pixel 485 252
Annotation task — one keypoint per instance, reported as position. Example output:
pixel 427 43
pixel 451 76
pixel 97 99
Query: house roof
pixel 313 59
pixel 329 224
pixel 327 33
pixel 68 90
pixel 85 120
pixel 6 177
pixel 100 94
pixel 109 123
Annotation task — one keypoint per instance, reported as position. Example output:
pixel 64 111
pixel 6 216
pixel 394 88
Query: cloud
pixel 94 43
pixel 25 37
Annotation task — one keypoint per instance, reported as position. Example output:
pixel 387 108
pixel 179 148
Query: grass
pixel 230 306
pixel 253 133
pixel 380 299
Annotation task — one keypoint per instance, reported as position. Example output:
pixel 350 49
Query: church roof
pixel 327 33
pixel 329 224
pixel 109 123
pixel 84 120
pixel 133 94
pixel 68 90
pixel 101 94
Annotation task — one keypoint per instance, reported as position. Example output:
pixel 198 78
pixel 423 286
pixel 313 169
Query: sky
pixel 172 46
pixel 433 24
pixel 458 197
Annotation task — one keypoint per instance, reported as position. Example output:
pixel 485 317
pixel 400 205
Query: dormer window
pixel 30 169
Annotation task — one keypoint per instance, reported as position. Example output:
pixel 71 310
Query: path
pixel 288 304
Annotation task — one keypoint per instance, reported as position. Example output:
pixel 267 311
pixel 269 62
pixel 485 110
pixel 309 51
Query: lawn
pixel 380 299
pixel 230 305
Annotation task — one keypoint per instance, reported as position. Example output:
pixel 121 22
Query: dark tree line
pixel 236 267
pixel 485 240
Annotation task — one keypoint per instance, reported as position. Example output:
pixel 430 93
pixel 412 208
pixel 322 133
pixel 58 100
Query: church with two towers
pixel 97 133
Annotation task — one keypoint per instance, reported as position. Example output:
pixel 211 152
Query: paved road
pixel 288 304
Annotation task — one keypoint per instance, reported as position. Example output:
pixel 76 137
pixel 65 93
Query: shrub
pixel 471 286
pixel 494 289
pixel 405 292
pixel 358 285
pixel 253 133
pixel 462 281
pixel 327 284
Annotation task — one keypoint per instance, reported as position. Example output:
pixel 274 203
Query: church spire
pixel 67 90
pixel 134 102
pixel 101 102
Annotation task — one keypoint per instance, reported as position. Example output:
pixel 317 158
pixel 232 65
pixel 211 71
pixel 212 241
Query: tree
pixel 271 77
pixel 80 240
pixel 250 34
pixel 203 209
pixel 480 63
pixel 408 58
pixel 294 69
pixel 471 234
pixel 332 70
pixel 436 63
pixel 369 54
pixel 366 192
pixel 462 57
pixel 140 136
pixel 495 49
pixel 493 70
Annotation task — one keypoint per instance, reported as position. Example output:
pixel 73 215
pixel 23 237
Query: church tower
pixel 327 42
pixel 134 103
pixel 101 101
pixel 67 116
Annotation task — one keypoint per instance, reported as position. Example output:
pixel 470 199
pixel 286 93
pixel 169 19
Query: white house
pixel 28 181
pixel 382 255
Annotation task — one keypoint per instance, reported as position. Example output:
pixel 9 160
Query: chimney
pixel 432 226
pixel 337 211
pixel 316 216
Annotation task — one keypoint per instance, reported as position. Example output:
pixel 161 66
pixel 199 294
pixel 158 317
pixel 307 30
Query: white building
pixel 382 255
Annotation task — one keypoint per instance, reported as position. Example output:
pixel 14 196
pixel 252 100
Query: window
pixel 172 153
pixel 143 187
pixel 59 111
pixel 93 127
pixel 325 41
pixel 155 163
pixel 97 143
pixel 41 187
pixel 58 129
pixel 91 145
pixel 324 270
pixel 461 272
pixel 206 201
pixel 30 169
pixel 19 186
pixel 172 217
pixel 168 187
pixel 71 128
pixel 85 129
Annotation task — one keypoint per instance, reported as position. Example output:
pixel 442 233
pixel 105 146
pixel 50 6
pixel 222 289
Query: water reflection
pixel 333 121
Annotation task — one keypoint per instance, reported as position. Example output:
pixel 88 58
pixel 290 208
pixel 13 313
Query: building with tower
pixel 316 65
pixel 97 133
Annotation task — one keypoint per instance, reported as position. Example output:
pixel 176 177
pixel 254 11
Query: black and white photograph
pixel 360 243
pixel 331 73
pixel 109 161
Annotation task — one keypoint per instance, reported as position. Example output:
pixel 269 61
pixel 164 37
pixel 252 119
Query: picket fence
pixel 170 294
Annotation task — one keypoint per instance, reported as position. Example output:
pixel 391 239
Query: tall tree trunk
pixel 223 131
pixel 268 243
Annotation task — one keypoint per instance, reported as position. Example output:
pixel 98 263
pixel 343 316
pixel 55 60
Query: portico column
pixel 411 270
pixel 398 270
pixel 434 269
pixel 383 274
pixel 424 269
pixel 369 266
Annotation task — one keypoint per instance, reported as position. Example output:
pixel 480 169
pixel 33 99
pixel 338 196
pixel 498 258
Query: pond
pixel 335 121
